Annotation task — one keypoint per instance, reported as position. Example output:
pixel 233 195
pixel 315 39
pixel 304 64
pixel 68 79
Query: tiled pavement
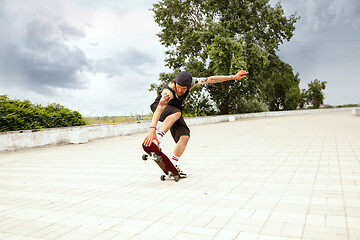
pixel 294 177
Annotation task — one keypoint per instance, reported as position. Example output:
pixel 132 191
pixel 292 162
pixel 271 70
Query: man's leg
pixel 178 151
pixel 169 121
pixel 181 145
pixel 169 116
pixel 181 135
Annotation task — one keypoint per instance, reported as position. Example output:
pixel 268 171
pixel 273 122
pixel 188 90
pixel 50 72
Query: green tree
pixel 282 85
pixel 315 93
pixel 292 98
pixel 303 98
pixel 217 37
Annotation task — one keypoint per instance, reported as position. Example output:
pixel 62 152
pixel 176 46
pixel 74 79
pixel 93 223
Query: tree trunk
pixel 277 105
pixel 315 103
pixel 224 106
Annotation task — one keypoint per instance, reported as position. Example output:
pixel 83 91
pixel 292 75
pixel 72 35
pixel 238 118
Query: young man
pixel 168 107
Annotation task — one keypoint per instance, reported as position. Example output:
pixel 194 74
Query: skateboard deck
pixel 154 153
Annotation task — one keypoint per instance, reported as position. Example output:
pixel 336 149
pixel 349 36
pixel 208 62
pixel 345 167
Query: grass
pixel 115 119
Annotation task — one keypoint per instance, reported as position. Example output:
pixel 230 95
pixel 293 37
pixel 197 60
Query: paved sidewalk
pixel 294 177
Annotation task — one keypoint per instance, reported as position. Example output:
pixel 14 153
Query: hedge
pixel 23 115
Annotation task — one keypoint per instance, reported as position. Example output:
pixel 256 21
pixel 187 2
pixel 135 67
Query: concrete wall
pixel 10 141
pixel 15 140
pixel 356 111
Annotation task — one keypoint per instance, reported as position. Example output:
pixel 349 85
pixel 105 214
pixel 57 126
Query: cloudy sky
pixel 100 57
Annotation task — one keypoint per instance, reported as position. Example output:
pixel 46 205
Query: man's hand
pixel 150 137
pixel 240 75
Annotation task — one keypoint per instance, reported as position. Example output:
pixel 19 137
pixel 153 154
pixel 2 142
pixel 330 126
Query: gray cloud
pixel 41 60
pixel 117 5
pixel 323 16
pixel 322 34
pixel 134 57
pixel 43 33
pixel 340 12
pixel 130 59
pixel 326 45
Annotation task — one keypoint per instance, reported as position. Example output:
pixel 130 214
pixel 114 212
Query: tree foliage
pixel 23 115
pixel 303 99
pixel 282 85
pixel 315 93
pixel 217 37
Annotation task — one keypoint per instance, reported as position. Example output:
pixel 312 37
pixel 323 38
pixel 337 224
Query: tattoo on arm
pixel 165 99
pixel 199 80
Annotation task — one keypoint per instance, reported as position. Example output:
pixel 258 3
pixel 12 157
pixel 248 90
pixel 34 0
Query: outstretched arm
pixel 218 79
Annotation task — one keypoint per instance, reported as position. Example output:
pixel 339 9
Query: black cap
pixel 184 79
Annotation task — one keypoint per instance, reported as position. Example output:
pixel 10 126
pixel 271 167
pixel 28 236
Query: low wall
pixel 10 141
pixel 226 118
pixel 356 111
pixel 15 140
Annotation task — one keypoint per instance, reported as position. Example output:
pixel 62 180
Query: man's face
pixel 180 89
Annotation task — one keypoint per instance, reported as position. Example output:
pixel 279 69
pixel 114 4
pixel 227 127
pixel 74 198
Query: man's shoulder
pixel 167 91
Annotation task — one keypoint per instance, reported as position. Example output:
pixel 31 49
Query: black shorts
pixel 179 128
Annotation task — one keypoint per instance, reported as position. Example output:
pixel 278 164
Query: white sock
pixel 160 134
pixel 175 160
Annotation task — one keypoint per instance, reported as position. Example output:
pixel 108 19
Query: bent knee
pixel 176 115
pixel 185 138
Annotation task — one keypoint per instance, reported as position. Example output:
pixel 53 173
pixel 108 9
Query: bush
pixel 23 115
pixel 250 106
pixel 348 105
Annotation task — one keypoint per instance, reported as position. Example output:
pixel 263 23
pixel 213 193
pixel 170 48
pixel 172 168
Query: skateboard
pixel 154 153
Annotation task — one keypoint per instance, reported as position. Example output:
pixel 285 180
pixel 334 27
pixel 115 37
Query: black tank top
pixel 176 102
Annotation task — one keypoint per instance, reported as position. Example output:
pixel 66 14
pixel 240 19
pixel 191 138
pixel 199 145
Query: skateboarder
pixel 168 107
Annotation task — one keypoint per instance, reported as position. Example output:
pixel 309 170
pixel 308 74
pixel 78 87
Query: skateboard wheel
pixel 158 159
pixel 162 177
pixel 176 178
pixel 144 157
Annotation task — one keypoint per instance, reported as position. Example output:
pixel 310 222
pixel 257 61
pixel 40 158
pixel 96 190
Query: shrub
pixel 23 115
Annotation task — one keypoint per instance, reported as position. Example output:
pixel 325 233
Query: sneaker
pixel 182 174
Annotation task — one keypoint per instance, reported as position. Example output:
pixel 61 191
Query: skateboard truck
pixel 169 176
pixel 153 156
